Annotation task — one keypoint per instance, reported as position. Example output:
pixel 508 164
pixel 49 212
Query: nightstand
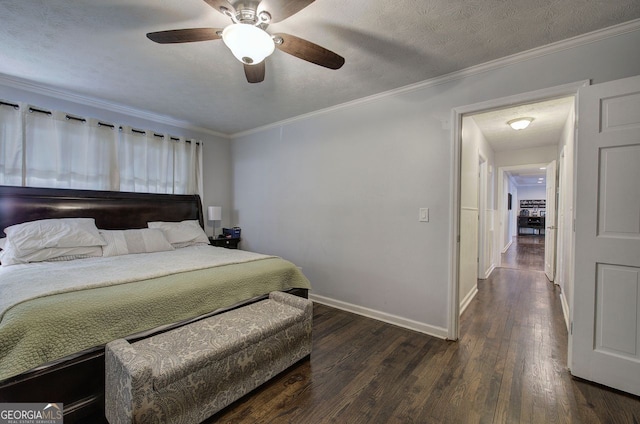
pixel 229 243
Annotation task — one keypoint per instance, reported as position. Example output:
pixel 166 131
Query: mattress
pixel 52 310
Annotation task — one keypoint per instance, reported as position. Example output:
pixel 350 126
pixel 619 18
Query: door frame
pixel 483 189
pixel 564 218
pixel 551 232
pixel 502 207
pixel 570 89
pixel 505 217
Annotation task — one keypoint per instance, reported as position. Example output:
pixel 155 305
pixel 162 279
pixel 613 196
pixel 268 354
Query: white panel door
pixel 605 344
pixel 550 223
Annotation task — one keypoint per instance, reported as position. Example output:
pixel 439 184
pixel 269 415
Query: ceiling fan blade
pixel 306 50
pixel 184 35
pixel 254 73
pixel 282 9
pixel 221 6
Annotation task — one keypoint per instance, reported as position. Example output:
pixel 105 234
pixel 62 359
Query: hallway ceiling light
pixel 520 123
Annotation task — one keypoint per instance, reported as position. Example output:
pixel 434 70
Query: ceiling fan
pixel 247 38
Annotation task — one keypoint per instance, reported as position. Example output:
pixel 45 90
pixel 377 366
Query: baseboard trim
pixel 504 250
pixel 420 327
pixel 565 311
pixel 467 299
pixel 488 272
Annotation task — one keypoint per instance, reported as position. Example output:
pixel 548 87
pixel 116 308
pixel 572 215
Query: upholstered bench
pixel 188 374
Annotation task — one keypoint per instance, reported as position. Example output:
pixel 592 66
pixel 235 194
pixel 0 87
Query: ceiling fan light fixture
pixel 520 123
pixel 248 43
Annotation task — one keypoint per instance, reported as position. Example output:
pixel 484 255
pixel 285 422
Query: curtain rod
pixel 16 107
pixel 46 112
pixel 159 135
pixel 100 124
pixel 170 137
pixel 74 118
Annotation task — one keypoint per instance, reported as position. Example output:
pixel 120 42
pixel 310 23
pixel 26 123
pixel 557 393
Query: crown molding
pixel 45 90
pixel 556 47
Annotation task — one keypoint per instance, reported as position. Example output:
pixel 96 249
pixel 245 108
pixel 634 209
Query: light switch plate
pixel 423 215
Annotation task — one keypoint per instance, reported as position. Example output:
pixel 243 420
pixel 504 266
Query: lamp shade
pixel 214 213
pixel 248 43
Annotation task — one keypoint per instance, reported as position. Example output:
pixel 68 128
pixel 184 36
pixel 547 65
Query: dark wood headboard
pixel 112 210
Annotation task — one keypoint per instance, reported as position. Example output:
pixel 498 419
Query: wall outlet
pixel 423 215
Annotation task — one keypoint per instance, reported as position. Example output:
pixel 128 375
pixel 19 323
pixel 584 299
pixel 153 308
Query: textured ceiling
pixel 99 49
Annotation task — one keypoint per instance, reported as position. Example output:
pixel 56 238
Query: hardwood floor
pixel 508 367
pixel 525 252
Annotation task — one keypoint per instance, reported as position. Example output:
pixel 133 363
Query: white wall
pixel 531 192
pixel 216 150
pixel 476 236
pixel 338 192
pixel 544 154
pixel 217 182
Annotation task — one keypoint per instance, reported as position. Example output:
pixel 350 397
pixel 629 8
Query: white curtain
pixel 69 153
pixel 10 145
pixel 186 154
pixel 52 149
pixel 146 162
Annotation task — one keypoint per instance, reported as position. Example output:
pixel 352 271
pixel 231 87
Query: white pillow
pixel 9 255
pixel 29 237
pixel 2 242
pixel 124 242
pixel 182 234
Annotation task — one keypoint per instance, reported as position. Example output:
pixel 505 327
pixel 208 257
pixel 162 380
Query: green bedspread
pixel 48 328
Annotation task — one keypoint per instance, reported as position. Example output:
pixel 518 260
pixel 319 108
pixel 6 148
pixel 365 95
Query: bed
pixel 62 331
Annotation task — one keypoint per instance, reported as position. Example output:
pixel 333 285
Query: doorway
pixel 524 246
pixel 500 219
pixel 525 234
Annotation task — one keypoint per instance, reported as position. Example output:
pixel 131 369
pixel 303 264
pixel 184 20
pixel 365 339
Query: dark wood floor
pixel 508 367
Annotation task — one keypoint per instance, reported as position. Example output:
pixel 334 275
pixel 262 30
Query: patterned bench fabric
pixel 188 374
